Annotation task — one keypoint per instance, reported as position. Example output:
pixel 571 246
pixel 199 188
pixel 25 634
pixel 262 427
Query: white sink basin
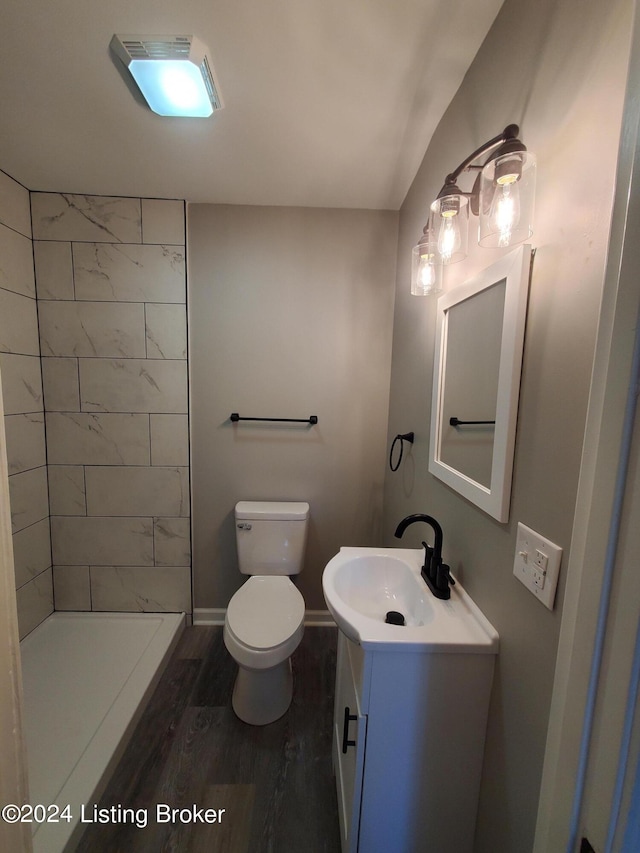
pixel 361 585
pixel 374 584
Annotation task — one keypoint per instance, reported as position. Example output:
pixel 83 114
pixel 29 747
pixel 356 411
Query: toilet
pixel 264 621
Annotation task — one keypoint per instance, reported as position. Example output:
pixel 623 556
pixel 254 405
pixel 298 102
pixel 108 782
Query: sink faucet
pixel 434 572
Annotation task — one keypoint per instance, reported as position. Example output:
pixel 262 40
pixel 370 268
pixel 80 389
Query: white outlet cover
pixel 526 570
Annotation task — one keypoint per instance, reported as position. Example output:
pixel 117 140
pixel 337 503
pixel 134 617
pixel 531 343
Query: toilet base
pixel 261 696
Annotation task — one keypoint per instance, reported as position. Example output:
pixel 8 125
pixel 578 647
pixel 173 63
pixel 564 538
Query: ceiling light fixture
pixel 172 72
pixel 502 197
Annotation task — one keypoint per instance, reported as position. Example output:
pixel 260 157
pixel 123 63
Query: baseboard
pixel 215 616
pixel 318 619
pixel 209 615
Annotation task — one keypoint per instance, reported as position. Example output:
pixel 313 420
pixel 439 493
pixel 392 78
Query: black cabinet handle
pixel 345 731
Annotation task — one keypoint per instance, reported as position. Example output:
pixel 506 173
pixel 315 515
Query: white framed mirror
pixel 476 382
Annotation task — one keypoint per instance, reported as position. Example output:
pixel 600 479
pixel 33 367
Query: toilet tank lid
pixel 267 510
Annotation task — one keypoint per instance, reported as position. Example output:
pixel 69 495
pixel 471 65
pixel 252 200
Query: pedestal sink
pixel 361 585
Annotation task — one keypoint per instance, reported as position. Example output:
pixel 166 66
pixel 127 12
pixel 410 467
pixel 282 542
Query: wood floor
pixel 274 782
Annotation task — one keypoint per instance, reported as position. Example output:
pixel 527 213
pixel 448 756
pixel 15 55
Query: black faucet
pixel 434 572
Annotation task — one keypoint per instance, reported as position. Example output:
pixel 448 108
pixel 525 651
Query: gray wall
pixel 558 69
pixel 24 409
pixel 290 314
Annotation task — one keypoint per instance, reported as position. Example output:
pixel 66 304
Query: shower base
pixel 87 678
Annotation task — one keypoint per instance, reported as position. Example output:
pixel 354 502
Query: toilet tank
pixel 271 536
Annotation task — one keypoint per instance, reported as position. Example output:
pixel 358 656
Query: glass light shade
pixel 172 87
pixel 507 193
pixel 450 224
pixel 426 270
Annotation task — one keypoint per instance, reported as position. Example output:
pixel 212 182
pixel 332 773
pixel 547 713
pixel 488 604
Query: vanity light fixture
pixel 172 72
pixel 502 197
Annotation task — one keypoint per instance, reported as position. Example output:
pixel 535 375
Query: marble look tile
pixel 172 541
pixel 54 270
pixel 61 384
pixel 18 324
pixel 137 491
pixel 133 385
pixel 163 221
pixel 101 541
pixel 35 602
pixel 71 588
pixel 97 439
pixel 29 498
pixel 166 330
pixel 66 490
pixel 16 262
pixel 21 383
pixel 139 588
pixel 62 216
pixel 14 205
pixel 92 329
pixel 32 551
pixel 25 442
pixel 169 439
pixel 104 272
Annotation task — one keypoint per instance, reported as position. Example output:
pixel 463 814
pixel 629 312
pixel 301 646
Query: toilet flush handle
pixel 244 526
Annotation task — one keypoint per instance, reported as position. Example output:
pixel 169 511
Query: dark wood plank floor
pixel 274 782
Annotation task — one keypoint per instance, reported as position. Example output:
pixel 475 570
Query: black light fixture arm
pixel 510 132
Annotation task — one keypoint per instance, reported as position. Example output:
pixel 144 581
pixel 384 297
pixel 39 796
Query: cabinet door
pixel 349 733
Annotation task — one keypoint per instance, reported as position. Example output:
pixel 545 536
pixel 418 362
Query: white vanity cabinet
pixel 409 732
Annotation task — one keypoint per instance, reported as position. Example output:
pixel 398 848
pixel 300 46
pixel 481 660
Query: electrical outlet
pixel 537 564
pixel 541 560
pixel 539 578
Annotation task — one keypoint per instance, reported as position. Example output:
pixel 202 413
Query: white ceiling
pixel 328 103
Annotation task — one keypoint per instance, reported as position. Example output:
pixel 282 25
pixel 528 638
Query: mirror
pixel 476 382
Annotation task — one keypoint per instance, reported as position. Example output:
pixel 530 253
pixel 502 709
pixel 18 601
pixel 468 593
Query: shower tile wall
pixel 111 287
pixel 23 408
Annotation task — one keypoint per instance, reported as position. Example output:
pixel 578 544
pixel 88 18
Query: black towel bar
pixel 312 419
pixel 456 422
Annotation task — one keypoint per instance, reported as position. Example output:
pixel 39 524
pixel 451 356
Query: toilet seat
pixel 265 612
pixel 264 622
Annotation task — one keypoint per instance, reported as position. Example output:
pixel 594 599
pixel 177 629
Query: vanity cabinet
pixel 408 742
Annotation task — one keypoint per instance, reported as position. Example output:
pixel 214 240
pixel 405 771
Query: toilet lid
pixel 265 611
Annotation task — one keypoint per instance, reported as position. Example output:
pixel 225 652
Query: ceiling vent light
pixel 172 72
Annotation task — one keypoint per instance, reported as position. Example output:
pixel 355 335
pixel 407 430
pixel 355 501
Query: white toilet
pixel 264 622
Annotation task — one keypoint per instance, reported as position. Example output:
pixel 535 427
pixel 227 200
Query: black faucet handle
pixel 443 577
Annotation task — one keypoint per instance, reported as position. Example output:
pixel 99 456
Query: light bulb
pixel 450 224
pixel 505 209
pixel 448 236
pixel 426 272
